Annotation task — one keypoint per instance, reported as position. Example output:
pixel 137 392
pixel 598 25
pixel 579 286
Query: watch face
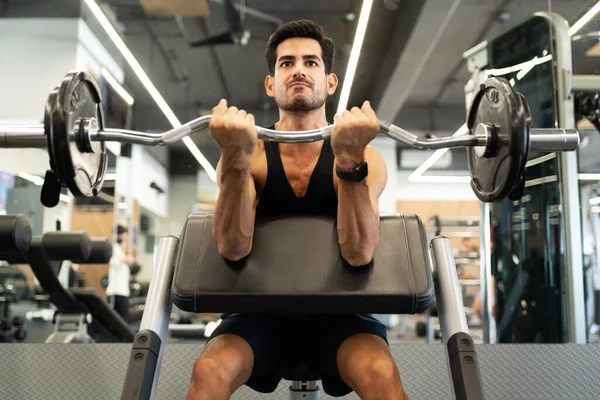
pixel 356 174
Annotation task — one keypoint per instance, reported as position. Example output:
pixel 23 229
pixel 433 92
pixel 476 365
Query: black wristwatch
pixel 355 174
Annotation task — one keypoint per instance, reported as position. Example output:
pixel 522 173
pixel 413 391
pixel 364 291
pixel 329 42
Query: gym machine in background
pixel 534 250
pixel 466 258
pixel 81 315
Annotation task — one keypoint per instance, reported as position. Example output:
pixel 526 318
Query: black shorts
pixel 273 338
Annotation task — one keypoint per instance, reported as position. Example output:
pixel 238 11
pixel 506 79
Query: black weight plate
pixel 77 97
pixel 527 111
pixel 497 104
pixel 519 189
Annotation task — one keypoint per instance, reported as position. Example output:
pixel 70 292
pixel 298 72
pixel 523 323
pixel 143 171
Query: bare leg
pixel 224 365
pixel 367 366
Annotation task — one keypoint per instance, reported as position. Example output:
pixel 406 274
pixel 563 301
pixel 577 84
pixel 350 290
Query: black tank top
pixel 278 198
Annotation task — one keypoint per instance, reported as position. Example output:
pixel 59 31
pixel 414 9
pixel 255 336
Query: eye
pixel 311 63
pixel 285 64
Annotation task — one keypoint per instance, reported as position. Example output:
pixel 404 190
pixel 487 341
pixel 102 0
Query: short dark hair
pixel 121 229
pixel 303 28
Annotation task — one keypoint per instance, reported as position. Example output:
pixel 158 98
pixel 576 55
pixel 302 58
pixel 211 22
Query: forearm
pixel 357 221
pixel 233 220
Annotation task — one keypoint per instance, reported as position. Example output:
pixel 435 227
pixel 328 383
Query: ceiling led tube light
pixel 417 173
pixel 585 19
pixel 117 86
pixel 361 29
pixel 145 80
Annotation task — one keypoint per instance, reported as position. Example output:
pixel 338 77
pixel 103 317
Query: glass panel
pixel 526 234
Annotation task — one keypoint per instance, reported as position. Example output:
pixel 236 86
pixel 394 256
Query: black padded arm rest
pixel 66 245
pixel 100 252
pixel 14 257
pixel 104 315
pixel 15 233
pixel 295 267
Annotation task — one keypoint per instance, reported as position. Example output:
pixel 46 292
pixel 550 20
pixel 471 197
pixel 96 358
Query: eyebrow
pixel 307 57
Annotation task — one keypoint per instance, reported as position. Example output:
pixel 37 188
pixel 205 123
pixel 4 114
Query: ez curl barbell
pixel 497 134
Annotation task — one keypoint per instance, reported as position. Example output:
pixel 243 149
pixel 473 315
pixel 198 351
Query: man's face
pixel 300 82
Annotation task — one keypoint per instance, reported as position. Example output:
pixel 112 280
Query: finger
pixel 357 112
pixel 341 118
pixel 368 110
pixel 231 112
pixel 220 108
pixel 347 115
pixel 338 119
pixel 249 120
pixel 241 115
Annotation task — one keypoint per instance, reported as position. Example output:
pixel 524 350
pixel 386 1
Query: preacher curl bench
pixel 295 267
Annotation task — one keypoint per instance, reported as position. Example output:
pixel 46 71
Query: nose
pixel 299 71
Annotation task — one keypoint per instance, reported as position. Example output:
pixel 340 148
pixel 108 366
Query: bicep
pixel 377 177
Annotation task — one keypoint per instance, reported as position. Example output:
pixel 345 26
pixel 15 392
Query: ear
pixel 332 82
pixel 269 86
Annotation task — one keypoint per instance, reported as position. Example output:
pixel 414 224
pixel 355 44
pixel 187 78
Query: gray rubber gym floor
pixel 71 371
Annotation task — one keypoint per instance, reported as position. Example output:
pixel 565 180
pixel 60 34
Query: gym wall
pixel 96 222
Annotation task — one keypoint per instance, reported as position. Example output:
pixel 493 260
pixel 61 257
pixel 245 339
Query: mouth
pixel 299 84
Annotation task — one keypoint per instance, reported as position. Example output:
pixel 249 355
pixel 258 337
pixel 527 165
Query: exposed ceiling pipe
pixel 179 72
pixel 214 52
pixel 216 55
pixel 255 13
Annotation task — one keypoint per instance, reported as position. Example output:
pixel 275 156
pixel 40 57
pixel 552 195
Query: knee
pixel 381 372
pixel 211 371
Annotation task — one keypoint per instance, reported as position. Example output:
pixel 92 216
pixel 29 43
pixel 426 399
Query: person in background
pixel 119 274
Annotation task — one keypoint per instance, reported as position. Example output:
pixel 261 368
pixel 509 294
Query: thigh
pixel 262 333
pixel 336 329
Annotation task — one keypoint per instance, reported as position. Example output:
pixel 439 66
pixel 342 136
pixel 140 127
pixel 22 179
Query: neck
pixel 301 120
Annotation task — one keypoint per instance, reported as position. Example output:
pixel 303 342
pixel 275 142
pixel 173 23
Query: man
pixel 260 179
pixel 119 274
